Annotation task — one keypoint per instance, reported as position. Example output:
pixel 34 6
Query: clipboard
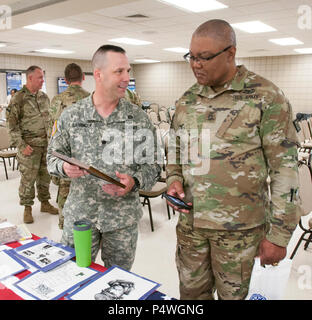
pixel 94 172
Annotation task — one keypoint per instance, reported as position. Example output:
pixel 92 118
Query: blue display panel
pixel 13 81
pixel 61 84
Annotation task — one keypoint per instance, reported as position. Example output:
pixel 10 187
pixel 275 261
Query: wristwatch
pixel 136 186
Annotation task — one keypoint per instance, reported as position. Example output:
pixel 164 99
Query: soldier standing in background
pixel 251 136
pixel 74 78
pixel 28 123
pixel 83 131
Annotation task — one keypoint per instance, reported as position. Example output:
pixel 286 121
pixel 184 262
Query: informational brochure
pixel 10 264
pixel 55 283
pixel 44 254
pixel 115 284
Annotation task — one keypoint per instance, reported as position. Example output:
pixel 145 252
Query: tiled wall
pixel 164 83
pixel 53 68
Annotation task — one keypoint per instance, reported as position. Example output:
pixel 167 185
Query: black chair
pixel 157 191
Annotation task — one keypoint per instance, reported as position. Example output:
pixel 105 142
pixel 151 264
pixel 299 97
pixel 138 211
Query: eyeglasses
pixel 190 58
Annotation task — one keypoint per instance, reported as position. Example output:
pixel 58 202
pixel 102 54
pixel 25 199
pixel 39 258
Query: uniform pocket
pixel 241 125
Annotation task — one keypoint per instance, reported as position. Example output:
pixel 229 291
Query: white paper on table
pixel 115 284
pixel 10 266
pixel 55 283
pixel 9 283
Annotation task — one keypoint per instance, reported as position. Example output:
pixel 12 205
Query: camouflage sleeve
pixel 59 142
pixel 53 110
pixel 148 173
pixel 174 167
pixel 14 125
pixel 279 141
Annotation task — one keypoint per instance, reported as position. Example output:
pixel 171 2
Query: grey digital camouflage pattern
pixel 83 134
pixel 66 98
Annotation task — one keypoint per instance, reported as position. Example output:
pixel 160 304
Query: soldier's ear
pixel 97 74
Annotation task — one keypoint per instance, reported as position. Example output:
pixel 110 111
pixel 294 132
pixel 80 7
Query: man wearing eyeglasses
pixel 252 137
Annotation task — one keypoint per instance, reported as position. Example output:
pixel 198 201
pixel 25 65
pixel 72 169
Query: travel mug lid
pixel 82 225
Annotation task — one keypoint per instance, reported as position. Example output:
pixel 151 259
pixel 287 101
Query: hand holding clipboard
pixel 89 169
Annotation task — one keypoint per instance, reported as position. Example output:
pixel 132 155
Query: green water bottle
pixel 82 242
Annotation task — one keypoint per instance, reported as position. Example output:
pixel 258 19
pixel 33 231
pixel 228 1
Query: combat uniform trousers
pixel 62 195
pixel 33 170
pixel 209 260
pixel 118 247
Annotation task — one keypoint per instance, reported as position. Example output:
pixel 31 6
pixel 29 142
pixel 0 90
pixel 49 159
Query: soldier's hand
pixel 176 190
pixel 73 171
pixel 271 253
pixel 116 191
pixel 27 151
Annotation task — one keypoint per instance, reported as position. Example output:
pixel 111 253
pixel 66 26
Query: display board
pixel 131 85
pixel 61 84
pixel 13 81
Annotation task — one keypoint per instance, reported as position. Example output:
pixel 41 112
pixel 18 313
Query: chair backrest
pixel 163 116
pixel 4 138
pixel 305 127
pixel 154 107
pixel 305 188
pixel 154 117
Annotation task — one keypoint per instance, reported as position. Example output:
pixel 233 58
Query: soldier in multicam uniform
pixel 74 78
pixel 251 137
pixel 84 131
pixel 133 97
pixel 28 123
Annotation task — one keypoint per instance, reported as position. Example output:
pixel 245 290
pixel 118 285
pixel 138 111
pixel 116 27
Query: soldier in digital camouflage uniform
pixel 133 97
pixel 28 123
pixel 74 78
pixel 251 136
pixel 97 131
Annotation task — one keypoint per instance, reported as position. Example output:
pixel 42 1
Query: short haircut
pixel 99 56
pixel 217 29
pixel 73 73
pixel 31 69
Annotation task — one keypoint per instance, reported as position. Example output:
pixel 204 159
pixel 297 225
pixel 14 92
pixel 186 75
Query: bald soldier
pixel 249 121
pixel 28 123
pixel 74 78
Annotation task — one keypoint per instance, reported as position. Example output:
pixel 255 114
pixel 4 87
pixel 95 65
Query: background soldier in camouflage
pixel 74 78
pixel 133 97
pixel 83 132
pixel 28 122
pixel 251 136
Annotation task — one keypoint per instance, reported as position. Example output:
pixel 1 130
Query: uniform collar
pixel 236 84
pixel 120 114
pixel 26 90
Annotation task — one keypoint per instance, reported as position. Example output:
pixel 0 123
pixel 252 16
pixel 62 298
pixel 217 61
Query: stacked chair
pixel 6 152
pixel 303 124
pixel 161 119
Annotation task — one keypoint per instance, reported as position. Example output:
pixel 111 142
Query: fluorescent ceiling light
pixel 177 49
pixel 286 41
pixel 196 5
pixel 2 45
pixel 304 50
pixel 253 27
pixel 146 61
pixel 131 41
pixel 54 51
pixel 52 28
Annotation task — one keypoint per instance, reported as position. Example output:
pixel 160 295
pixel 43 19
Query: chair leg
pixel 150 213
pixel 168 210
pixel 308 241
pixel 5 169
pixel 297 246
